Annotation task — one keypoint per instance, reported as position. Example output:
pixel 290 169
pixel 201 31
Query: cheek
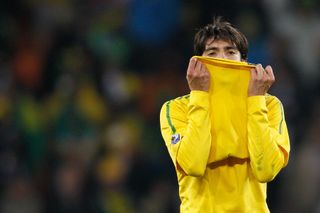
pixel 235 57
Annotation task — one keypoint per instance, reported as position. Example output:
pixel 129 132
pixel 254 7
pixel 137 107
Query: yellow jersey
pixel 216 175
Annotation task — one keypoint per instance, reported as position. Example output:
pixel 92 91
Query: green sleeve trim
pixel 173 129
pixel 282 116
pixel 185 96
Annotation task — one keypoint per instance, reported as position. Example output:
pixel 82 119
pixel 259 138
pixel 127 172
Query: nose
pixel 221 55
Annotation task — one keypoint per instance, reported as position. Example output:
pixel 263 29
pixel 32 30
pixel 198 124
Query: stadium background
pixel 82 82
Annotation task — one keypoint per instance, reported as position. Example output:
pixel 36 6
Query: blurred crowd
pixel 82 83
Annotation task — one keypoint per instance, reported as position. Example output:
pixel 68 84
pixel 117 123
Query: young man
pixel 232 184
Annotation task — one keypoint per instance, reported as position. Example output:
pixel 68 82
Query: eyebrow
pixel 225 48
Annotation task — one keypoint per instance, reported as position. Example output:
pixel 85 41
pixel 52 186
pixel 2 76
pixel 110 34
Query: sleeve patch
pixel 175 138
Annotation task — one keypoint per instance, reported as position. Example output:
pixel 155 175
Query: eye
pixel 211 53
pixel 232 52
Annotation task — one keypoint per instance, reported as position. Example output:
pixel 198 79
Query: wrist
pixel 199 98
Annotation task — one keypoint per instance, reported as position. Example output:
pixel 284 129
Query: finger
pixel 191 66
pixel 260 71
pixel 253 73
pixel 269 72
pixel 203 68
pixel 197 66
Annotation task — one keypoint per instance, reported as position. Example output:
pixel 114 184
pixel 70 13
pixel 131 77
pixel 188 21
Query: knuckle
pixel 255 79
pixel 189 75
pixel 259 67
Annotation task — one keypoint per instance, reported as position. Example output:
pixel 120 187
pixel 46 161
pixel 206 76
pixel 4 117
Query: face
pixel 221 49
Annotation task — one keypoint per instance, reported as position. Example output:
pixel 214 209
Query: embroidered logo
pixel 175 138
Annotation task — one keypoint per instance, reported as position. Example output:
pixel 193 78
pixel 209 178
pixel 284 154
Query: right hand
pixel 198 76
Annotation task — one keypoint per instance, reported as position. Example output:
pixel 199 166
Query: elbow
pixel 264 177
pixel 265 173
pixel 194 169
pixel 266 170
pixel 195 172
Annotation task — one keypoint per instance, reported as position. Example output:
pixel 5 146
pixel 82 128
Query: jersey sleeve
pixel 186 132
pixel 268 139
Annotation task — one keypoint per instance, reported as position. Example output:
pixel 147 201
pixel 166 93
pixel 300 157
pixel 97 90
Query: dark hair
pixel 220 30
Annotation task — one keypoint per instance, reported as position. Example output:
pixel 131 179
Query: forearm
pixel 266 156
pixel 194 149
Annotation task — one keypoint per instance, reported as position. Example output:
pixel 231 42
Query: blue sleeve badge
pixel 175 138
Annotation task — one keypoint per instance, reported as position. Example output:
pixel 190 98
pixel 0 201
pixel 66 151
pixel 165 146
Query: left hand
pixel 261 80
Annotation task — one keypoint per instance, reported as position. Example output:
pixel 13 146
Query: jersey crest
pixel 175 138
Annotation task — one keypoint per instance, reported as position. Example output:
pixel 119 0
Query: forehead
pixel 219 43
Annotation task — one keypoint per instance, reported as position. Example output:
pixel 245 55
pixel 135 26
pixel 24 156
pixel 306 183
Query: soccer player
pixel 234 183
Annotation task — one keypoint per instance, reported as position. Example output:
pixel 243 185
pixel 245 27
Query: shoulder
pixel 176 104
pixel 181 101
pixel 272 101
pixel 274 105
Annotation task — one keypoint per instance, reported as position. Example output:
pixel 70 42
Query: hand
pixel 198 76
pixel 261 80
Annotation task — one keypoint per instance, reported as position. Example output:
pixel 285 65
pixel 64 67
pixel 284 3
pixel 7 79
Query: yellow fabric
pixel 237 182
pixel 228 101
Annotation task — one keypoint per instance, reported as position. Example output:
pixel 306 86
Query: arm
pixel 187 131
pixel 268 140
pixel 190 153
